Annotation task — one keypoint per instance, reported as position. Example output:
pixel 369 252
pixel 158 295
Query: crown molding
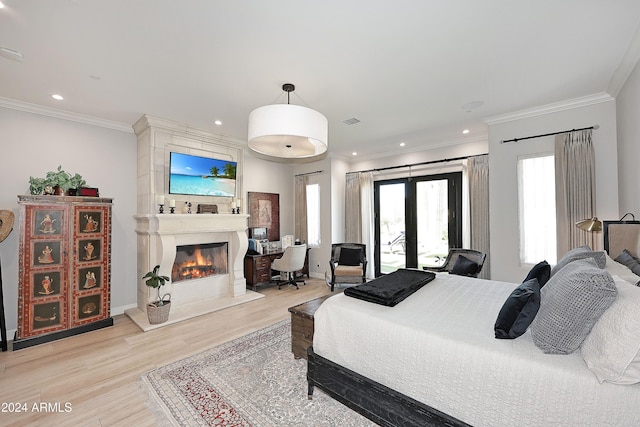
pixel 177 128
pixel 570 104
pixel 64 115
pixel 479 137
pixel 626 66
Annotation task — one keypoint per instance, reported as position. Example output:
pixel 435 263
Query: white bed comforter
pixel 438 347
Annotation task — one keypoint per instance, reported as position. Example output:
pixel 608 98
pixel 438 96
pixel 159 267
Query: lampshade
pixel 593 224
pixel 288 131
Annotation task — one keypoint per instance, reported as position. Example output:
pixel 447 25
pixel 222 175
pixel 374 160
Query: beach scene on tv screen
pixel 202 176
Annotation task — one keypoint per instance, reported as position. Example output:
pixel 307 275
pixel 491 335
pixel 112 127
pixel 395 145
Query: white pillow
pixel 612 349
pixel 622 271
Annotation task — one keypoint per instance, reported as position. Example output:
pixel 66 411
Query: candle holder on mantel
pixel 172 209
pixel 161 210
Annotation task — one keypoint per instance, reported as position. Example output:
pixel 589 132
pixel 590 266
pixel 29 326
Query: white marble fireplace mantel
pixel 158 237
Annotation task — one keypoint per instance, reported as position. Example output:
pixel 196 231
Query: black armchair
pixel 348 263
pixel 471 267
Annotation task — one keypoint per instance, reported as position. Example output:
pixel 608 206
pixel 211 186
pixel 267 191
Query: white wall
pixel 503 192
pixel 263 176
pixel 628 115
pixel 34 144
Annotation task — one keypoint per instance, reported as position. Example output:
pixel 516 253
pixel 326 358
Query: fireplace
pixel 220 241
pixel 199 261
pixel 160 235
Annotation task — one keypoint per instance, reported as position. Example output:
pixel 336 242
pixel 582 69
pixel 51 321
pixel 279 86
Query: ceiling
pixel 404 68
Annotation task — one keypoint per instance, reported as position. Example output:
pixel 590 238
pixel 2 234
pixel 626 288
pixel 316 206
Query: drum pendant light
pixel 288 131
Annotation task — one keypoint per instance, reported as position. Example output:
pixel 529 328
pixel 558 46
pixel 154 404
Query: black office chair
pixel 348 263
pixel 470 265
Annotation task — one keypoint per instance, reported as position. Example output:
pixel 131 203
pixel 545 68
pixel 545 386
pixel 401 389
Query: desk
pixel 257 268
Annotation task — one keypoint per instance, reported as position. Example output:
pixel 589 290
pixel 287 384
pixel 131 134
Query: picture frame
pixel 47 222
pixel 88 306
pixel 89 278
pixel 46 253
pixel 47 315
pixel 46 284
pixel 89 221
pixel 89 250
pixel 264 211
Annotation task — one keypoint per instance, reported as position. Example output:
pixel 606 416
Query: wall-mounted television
pixel 201 176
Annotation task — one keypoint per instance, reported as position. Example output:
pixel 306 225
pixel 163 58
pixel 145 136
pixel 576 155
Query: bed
pixel 433 360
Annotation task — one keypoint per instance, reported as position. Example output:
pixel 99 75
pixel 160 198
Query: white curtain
pixel 537 208
pixel 575 188
pixel 367 227
pixel 478 174
pixel 300 226
pixel 352 209
pixel 359 227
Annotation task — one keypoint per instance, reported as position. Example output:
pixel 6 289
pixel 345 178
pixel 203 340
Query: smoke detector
pixel 11 54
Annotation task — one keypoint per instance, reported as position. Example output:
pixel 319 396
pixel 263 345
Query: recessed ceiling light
pixel 218 122
pixel 57 97
pixel 466 131
pixel 1 5
pixel 354 154
pixel 11 54
pixel 402 144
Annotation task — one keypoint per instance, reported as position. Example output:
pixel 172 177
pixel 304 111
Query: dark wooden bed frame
pixel 388 407
pixel 373 400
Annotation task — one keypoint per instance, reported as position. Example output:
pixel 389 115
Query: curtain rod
pixel 419 164
pixel 309 173
pixel 594 127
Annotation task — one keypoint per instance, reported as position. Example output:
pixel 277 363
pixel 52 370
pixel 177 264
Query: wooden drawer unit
pixel 302 326
pixel 257 268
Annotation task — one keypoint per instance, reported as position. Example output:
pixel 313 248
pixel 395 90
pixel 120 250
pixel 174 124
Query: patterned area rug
pixel 251 381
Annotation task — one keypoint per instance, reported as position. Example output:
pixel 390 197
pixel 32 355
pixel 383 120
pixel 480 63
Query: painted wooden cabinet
pixel 65 267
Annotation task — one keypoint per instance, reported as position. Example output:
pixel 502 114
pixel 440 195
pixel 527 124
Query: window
pixel 537 208
pixel 313 215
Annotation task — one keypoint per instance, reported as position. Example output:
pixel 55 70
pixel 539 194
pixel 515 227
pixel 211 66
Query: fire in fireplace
pixel 198 261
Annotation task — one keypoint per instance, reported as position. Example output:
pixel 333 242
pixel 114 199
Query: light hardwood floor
pixel 96 373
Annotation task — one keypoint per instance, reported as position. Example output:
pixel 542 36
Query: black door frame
pixel 454 180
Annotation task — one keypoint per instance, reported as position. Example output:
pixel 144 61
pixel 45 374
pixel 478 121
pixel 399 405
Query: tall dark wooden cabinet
pixel 65 267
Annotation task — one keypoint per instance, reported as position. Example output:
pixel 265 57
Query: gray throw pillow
pixel 581 252
pixel 629 261
pixel 571 303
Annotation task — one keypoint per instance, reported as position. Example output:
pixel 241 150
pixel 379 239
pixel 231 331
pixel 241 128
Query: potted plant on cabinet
pixel 157 311
pixel 56 182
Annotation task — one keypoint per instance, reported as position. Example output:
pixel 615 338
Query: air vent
pixel 351 121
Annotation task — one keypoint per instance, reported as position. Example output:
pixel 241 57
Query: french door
pixel 417 220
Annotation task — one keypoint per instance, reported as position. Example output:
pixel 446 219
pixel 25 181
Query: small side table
pixel 302 326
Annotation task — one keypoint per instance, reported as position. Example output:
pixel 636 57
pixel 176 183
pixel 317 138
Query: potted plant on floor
pixel 157 311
